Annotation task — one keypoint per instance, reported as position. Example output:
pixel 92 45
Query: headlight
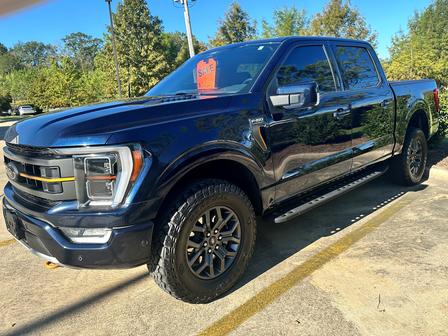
pixel 103 175
pixel 97 179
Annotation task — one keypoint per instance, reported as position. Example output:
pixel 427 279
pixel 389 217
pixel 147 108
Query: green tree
pixel 21 84
pixel 176 48
pixel 139 46
pixel 288 21
pixel 105 69
pixel 5 96
pixel 34 53
pixel 82 49
pixel 91 87
pixel 8 63
pixel 340 19
pixel 63 82
pixel 236 26
pixel 444 108
pixel 32 74
pixel 5 103
pixel 3 49
pixel 422 52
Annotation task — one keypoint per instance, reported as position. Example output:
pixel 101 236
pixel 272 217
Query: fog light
pixel 87 236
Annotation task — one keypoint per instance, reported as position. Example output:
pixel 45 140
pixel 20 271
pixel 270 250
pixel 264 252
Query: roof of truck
pixel 294 38
pixel 303 38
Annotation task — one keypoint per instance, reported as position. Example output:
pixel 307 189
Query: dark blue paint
pixel 184 134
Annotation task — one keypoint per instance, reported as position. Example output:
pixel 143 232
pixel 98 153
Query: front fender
pixel 212 151
pixel 204 154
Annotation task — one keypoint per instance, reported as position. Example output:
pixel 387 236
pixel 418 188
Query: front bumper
pixel 129 246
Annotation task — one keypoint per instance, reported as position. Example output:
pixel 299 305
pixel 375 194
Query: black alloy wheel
pixel 214 242
pixel 408 168
pixel 415 156
pixel 203 241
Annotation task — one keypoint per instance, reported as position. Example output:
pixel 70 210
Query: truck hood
pixel 94 124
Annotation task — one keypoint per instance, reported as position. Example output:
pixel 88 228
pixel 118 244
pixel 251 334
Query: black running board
pixel 328 196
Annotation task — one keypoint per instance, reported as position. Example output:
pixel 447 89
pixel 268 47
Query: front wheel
pixel 409 166
pixel 204 241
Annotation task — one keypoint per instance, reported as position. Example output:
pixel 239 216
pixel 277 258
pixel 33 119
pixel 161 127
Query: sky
pixel 52 20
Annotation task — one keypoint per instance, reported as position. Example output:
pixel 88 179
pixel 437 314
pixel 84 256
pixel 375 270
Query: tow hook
pixel 49 265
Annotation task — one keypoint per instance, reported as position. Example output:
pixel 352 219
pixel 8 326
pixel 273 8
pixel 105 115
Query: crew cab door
pixel 372 102
pixel 309 144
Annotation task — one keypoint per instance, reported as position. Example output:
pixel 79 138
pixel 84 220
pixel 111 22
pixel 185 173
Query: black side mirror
pixel 296 96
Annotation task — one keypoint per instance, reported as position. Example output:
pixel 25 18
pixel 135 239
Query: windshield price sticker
pixel 206 74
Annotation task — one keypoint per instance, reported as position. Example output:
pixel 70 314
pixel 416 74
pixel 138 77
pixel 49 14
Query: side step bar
pixel 330 195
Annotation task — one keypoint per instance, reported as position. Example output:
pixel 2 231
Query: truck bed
pixel 411 82
pixel 413 96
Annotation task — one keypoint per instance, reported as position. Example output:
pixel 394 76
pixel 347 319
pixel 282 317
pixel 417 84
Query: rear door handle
pixel 342 112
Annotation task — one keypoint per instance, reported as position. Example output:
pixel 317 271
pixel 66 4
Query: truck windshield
pixel 224 71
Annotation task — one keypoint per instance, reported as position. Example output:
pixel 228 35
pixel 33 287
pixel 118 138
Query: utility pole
pixel 188 25
pixel 117 70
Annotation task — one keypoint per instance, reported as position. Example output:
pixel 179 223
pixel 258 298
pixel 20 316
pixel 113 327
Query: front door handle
pixel 341 113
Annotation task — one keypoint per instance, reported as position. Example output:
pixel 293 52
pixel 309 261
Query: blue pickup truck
pixel 176 179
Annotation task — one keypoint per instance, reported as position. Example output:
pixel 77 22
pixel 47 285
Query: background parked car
pixel 24 110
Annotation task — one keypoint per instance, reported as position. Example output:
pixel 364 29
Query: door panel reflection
pixel 311 146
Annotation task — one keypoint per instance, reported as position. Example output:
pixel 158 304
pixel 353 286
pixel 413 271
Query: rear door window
pixel 357 68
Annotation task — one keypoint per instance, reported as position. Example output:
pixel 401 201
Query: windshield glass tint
pixel 230 70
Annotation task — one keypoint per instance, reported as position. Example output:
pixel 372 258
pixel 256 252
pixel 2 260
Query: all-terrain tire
pixel 169 266
pixel 404 170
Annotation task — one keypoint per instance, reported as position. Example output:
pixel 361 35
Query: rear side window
pixel 356 65
pixel 307 64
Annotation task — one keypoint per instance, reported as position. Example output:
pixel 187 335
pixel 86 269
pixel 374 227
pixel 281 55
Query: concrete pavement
pixel 373 262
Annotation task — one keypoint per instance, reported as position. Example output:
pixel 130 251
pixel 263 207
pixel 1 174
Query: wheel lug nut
pixel 219 238
pixel 205 244
pixel 217 247
pixel 216 231
pixel 208 234
pixel 209 250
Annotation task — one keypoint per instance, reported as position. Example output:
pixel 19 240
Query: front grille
pixel 28 171
pixel 40 172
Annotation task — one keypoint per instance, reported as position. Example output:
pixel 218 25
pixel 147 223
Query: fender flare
pixel 403 124
pixel 206 153
pixel 419 105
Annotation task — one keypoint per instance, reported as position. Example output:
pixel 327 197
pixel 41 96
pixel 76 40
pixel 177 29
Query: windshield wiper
pixel 186 93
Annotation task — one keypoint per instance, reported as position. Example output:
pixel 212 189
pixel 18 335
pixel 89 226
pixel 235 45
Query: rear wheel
pixel 204 241
pixel 409 166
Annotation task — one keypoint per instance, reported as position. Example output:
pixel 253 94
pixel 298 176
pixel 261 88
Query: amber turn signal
pixel 137 159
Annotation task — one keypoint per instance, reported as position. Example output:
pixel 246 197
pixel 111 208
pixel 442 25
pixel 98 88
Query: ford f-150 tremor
pixel 176 178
